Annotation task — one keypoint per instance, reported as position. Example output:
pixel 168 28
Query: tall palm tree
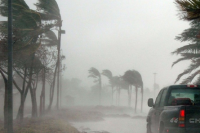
pixel 52 12
pixel 116 84
pixel 139 84
pixel 109 75
pixel 134 78
pixel 94 73
pixel 129 78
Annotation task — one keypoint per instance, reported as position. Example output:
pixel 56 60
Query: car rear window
pixel 184 96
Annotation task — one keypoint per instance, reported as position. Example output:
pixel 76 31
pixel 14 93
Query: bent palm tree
pixel 52 12
pixel 134 78
pixel 94 73
pixel 139 83
pixel 116 84
pixel 109 75
pixel 129 78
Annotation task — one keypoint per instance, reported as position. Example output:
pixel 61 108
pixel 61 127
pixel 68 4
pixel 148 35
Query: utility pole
pixel 60 32
pixel 61 85
pixel 10 71
pixel 154 85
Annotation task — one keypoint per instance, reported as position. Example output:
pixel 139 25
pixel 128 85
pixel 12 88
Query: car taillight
pixel 182 118
pixel 191 86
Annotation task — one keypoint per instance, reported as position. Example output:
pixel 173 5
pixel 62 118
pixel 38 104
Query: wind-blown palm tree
pixel 52 12
pixel 94 73
pixel 116 84
pixel 129 78
pixel 109 75
pixel 139 84
pixel 189 10
pixel 134 78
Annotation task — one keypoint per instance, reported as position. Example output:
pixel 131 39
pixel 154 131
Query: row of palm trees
pixel 189 11
pixel 130 79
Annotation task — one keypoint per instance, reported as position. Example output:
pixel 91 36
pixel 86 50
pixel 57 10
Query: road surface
pixel 113 125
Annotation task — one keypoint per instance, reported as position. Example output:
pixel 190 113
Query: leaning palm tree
pixel 51 12
pixel 116 84
pixel 189 10
pixel 129 78
pixel 109 75
pixel 94 73
pixel 134 78
pixel 139 84
pixel 121 85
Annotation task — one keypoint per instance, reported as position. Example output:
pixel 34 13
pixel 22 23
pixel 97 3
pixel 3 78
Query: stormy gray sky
pixel 120 35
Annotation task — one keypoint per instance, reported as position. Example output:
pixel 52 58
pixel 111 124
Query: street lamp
pixel 60 32
pixel 154 85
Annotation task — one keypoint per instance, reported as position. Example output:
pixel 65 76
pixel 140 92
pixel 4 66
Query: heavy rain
pixel 90 66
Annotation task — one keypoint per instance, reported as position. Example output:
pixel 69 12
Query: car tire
pixel 162 129
pixel 148 128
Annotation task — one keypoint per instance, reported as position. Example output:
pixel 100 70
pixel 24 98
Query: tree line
pixel 130 79
pixel 36 53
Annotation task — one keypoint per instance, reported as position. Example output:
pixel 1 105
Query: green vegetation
pixel 36 50
pixel 189 10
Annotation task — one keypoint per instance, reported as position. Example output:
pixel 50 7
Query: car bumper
pixel 182 130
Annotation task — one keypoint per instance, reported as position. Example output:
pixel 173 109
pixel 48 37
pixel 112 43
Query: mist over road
pixel 113 125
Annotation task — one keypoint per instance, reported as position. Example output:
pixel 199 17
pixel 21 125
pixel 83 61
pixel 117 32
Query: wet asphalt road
pixel 113 125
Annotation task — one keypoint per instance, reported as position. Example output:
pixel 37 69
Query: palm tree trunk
pixel 119 96
pixel 130 95
pixel 142 98
pixel 5 100
pixel 52 89
pixel 42 96
pixel 112 94
pixel 44 91
pixel 34 102
pixel 100 88
pixel 128 91
pixel 20 114
pixel 136 90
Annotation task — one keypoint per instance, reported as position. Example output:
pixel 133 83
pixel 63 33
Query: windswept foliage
pixel 94 73
pixel 189 10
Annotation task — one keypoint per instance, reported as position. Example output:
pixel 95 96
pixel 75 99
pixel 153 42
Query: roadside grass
pixel 43 125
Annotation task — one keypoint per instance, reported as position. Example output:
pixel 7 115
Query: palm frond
pixel 190 9
pixel 49 7
pixel 94 71
pixel 180 59
pixel 107 73
pixel 192 48
pixel 197 82
pixel 191 77
pixel 192 67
